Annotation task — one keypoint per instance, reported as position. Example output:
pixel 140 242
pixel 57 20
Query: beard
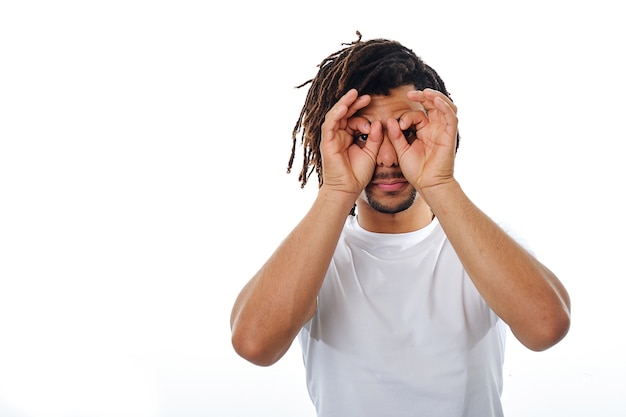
pixel 388 208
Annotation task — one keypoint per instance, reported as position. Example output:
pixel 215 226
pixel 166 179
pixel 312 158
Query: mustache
pixel 387 175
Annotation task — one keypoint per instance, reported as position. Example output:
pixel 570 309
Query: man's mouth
pixel 391 184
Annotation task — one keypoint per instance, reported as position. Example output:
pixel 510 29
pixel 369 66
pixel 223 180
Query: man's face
pixel 388 190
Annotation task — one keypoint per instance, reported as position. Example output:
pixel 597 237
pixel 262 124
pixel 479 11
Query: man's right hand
pixel 347 166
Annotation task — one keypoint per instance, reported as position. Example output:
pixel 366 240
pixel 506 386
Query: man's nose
pixel 387 156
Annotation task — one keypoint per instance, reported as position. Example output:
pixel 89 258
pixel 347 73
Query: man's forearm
pixel 521 290
pixel 281 297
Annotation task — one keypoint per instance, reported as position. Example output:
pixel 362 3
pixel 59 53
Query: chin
pixel 394 206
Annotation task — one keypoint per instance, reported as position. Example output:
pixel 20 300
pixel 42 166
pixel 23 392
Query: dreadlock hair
pixel 372 67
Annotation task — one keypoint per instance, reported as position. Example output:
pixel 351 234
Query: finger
pixel 447 109
pixel 340 108
pixel 427 97
pixel 357 124
pixel 374 139
pixel 396 134
pixel 345 107
pixel 433 94
pixel 358 104
pixel 416 118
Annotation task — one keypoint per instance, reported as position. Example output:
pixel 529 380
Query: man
pixel 399 287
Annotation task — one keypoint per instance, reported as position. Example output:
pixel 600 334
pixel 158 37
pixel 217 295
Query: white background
pixel 143 147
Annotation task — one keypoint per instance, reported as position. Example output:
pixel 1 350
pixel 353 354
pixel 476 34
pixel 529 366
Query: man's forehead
pixel 392 105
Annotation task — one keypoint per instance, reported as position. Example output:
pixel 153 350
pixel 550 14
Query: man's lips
pixel 391 184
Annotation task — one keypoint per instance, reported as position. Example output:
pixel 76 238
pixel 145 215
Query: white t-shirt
pixel 401 331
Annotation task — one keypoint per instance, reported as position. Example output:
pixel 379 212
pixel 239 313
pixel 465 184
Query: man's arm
pixel 520 290
pixel 281 297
